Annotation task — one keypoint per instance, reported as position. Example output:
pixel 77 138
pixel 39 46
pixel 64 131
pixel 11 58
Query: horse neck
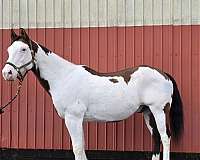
pixel 51 67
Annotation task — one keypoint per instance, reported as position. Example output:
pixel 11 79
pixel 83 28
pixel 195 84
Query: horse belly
pixel 110 111
pixel 111 102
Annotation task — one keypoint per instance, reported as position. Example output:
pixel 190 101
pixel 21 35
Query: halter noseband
pixel 20 76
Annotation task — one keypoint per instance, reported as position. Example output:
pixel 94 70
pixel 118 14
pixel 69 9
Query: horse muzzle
pixel 9 73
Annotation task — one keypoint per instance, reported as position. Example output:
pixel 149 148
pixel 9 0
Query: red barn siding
pixel 32 122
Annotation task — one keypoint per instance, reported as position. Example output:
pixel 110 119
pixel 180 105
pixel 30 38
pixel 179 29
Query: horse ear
pixel 24 34
pixel 13 35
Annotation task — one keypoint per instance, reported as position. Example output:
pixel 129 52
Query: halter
pixel 20 76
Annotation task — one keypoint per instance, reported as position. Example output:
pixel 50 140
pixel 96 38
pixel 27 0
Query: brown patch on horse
pixel 113 80
pixel 126 73
pixel 46 50
pixel 160 71
pixel 167 115
pixel 25 39
pixel 43 82
pixel 155 133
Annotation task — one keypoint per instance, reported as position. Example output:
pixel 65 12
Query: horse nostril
pixel 10 72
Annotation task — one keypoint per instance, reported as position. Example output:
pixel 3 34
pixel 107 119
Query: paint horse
pixel 80 93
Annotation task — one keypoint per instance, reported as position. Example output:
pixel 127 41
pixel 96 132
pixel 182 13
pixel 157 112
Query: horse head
pixel 20 56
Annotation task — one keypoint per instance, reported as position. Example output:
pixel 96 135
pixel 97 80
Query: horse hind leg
pixel 151 125
pixel 161 119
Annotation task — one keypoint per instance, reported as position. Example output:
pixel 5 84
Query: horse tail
pixel 176 113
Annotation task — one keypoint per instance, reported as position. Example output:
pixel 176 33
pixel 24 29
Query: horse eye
pixel 24 49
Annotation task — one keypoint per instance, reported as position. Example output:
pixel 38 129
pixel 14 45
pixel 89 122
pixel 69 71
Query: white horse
pixel 80 93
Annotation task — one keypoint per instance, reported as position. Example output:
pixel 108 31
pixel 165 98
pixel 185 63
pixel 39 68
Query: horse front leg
pixel 74 124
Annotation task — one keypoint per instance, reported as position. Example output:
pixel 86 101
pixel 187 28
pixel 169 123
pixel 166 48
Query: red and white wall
pixel 107 35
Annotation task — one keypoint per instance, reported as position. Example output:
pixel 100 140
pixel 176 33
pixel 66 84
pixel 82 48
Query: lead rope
pixel 13 98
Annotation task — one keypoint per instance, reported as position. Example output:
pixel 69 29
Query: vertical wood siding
pixel 31 121
pixel 107 36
